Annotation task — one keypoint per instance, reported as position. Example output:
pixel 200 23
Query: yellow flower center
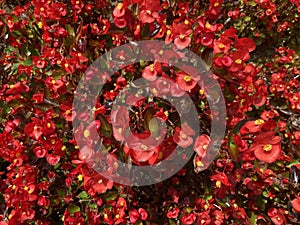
pixel 40 25
pixel 259 122
pixel 238 61
pixel 86 133
pixel 199 163
pixel 144 147
pixel 184 136
pixel 181 36
pixel 120 6
pixel 267 147
pixel 151 67
pixel 187 78
pixel 221 45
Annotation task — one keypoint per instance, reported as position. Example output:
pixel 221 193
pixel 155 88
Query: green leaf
pixel 252 218
pixel 106 128
pixel 233 149
pixel 73 209
pixel 110 196
pixel 70 30
pixel 27 62
pixel 83 195
pixel 172 222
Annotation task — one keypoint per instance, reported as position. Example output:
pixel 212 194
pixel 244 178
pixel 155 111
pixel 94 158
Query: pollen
pixel 35 127
pixel 218 184
pixel 100 181
pixel 201 91
pixel 267 147
pixel 149 12
pixel 204 147
pixel 184 136
pixel 117 216
pixel 86 133
pixel 120 6
pixel 221 45
pixel 216 4
pixel 144 147
pixel 53 81
pixel 154 90
pixel 187 78
pixel 207 25
pixel 77 2
pixel 168 32
pixel 48 125
pixel 42 9
pixel 160 155
pixel 167 114
pixel 186 22
pixel 11 86
pixel 151 67
pixel 259 122
pixel 80 177
pixel 66 65
pixel 199 164
pixel 238 61
pixel 181 36
pixel 116 165
pixel 26 188
pixel 105 216
pixel 63 148
pixel 40 24
pixel 120 130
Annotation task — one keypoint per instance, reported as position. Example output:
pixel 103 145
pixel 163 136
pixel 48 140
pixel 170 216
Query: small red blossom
pixel 182 136
pixel 267 147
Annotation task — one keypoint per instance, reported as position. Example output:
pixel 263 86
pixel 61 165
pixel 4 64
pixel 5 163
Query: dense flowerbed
pixel 252 49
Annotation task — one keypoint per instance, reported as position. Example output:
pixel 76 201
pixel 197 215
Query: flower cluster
pixel 252 50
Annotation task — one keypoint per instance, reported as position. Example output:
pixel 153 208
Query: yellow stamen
pixel 238 61
pixel 86 133
pixel 187 78
pixel 267 147
pixel 259 122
